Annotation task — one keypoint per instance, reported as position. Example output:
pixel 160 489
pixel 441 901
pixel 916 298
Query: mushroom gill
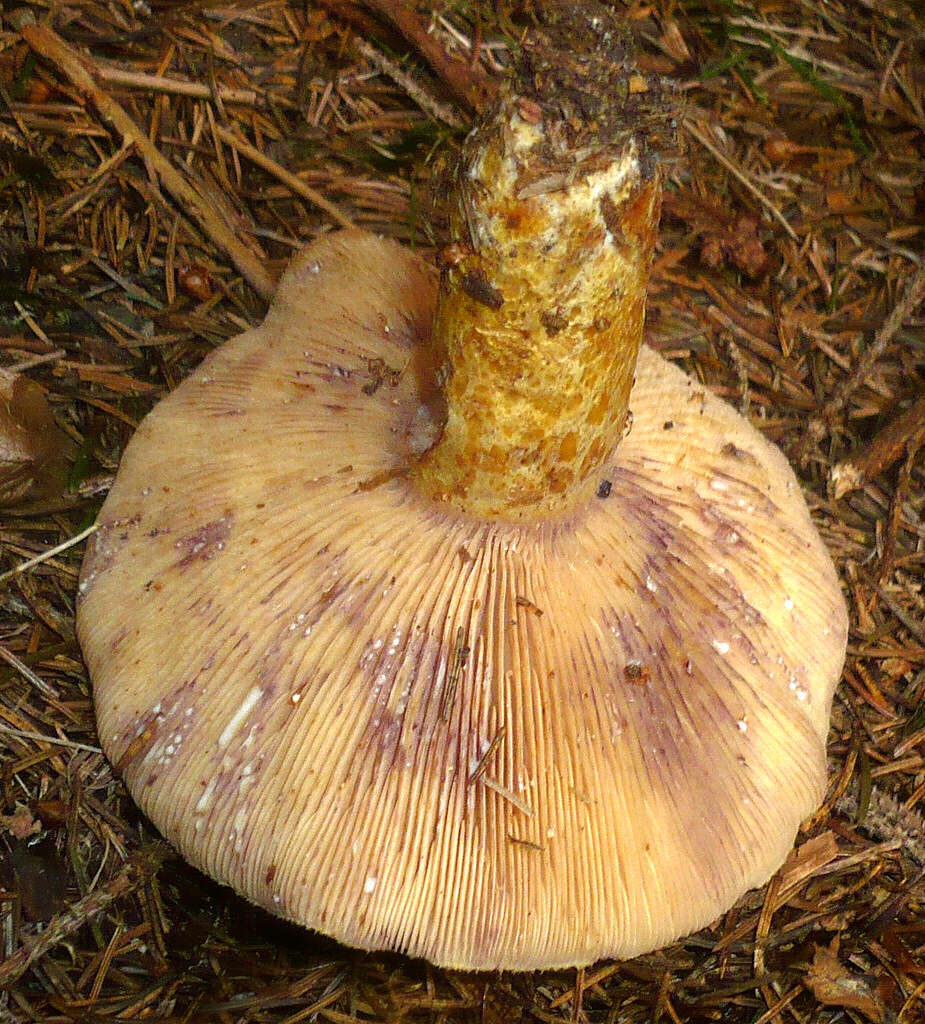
pixel 393 631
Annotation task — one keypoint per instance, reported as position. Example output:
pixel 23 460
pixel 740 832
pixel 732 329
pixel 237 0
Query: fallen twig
pixel 905 306
pixel 56 550
pixel 289 179
pixel 52 47
pixel 906 432
pixel 740 176
pixel 469 86
pixel 136 871
pixel 887 818
pixel 178 87
pixel 437 110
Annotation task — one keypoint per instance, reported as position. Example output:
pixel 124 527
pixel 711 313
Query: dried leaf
pixel 726 237
pixel 672 42
pixel 833 984
pixel 40 878
pixel 736 243
pixel 54 813
pixel 20 823
pixel 33 449
pixel 807 859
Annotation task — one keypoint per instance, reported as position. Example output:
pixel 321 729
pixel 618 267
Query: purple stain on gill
pixel 145 729
pixel 103 545
pixel 205 542
pixel 103 549
pixel 688 715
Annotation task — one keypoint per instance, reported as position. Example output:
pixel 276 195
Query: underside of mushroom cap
pixel 487 744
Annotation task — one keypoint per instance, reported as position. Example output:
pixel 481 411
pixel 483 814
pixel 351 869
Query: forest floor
pixel 159 163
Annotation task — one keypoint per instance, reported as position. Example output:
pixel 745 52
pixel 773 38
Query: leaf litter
pixel 159 164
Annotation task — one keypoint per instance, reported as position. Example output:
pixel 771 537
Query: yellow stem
pixel 541 309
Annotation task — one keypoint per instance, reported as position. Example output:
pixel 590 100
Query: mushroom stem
pixel 542 298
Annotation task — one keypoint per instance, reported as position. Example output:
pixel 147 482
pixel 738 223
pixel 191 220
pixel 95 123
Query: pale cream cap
pixel 484 744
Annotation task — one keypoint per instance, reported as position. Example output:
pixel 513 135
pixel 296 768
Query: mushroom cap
pixel 492 745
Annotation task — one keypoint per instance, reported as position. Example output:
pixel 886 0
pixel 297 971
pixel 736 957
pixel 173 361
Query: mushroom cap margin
pixel 272 620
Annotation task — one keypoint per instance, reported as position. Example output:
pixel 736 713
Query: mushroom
pixel 393 630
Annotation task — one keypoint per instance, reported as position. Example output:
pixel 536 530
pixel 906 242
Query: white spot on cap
pixel 742 724
pixel 719 485
pixel 651 585
pixel 238 826
pixel 799 691
pixel 202 804
pixel 370 884
pixel 314 267
pixel 788 604
pixel 237 719
pixel 720 646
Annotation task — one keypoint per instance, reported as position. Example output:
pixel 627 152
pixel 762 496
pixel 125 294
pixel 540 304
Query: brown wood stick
pixel 469 86
pixel 904 308
pixel 905 433
pixel 48 45
pixel 890 530
pixel 176 86
pixel 819 426
pixel 289 179
pixel 437 110
pixel 136 871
